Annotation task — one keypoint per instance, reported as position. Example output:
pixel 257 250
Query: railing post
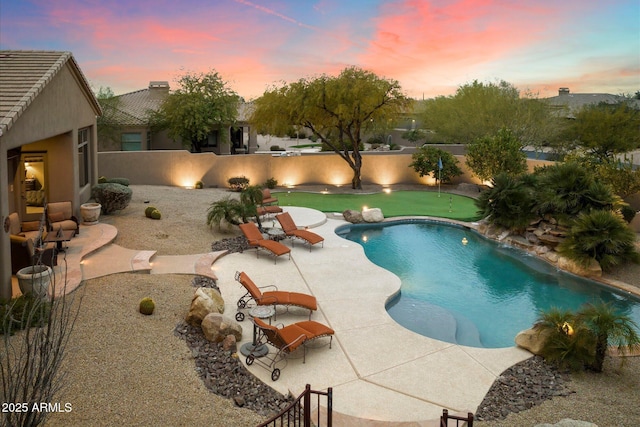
pixel 329 407
pixel 469 419
pixel 307 405
pixel 444 419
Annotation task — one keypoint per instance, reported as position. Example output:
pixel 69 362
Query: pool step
pixel 435 322
pixel 467 333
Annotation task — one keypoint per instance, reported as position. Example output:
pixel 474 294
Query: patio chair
pixel 269 210
pixel 256 240
pixel 60 215
pixel 267 198
pixel 286 339
pixel 291 230
pixel 255 296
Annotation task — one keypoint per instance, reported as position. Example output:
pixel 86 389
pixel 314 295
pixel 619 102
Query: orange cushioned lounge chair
pixel 291 230
pixel 267 198
pixel 287 339
pixel 256 240
pixel 255 296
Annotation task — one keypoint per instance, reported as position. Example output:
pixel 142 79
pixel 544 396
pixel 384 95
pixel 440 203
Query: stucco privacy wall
pixel 181 168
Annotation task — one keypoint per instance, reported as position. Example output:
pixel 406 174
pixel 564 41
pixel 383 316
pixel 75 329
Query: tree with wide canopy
pixel 337 110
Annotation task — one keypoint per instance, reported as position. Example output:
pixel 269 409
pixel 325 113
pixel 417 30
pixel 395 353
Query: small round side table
pixel 253 348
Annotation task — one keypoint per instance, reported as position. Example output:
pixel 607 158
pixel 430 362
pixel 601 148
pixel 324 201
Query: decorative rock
pixel 354 217
pixel 550 240
pixel 568 422
pixel 552 256
pixel 532 340
pixel 592 270
pixel 541 250
pixel 372 215
pixel 215 327
pixel 229 343
pixel 205 301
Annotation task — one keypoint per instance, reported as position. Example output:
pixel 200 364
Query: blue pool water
pixel 480 294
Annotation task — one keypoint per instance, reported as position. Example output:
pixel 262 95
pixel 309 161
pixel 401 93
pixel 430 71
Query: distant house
pixel 131 115
pixel 48 139
pixel 569 103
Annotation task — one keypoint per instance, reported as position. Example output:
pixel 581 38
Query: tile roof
pixel 24 74
pixel 133 107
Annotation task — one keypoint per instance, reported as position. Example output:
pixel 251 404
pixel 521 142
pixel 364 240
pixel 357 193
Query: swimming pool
pixel 479 294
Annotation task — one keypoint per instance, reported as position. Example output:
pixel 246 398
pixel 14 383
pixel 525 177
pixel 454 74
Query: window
pixel 131 141
pixel 83 156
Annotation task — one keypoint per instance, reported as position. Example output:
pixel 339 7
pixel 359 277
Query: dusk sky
pixel 430 46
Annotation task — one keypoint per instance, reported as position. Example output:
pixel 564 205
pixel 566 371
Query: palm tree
pixel 250 198
pixel 230 210
pixel 509 202
pixel 609 328
pixel 601 235
pixel 568 343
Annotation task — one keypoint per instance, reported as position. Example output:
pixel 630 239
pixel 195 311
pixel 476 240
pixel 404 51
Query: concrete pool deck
pixel 381 373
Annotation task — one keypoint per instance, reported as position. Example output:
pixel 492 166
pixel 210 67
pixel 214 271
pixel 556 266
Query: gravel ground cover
pixel 125 368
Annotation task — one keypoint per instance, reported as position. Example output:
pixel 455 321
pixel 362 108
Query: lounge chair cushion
pixel 290 298
pixel 296 334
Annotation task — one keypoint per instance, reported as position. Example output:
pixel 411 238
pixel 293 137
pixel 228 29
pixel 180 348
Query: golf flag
pixel 440 163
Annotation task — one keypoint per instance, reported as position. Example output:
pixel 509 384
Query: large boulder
pixel 532 339
pixel 352 216
pixel 372 215
pixel 216 327
pixel 592 270
pixel 205 301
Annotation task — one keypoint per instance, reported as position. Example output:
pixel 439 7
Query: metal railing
pixel 444 419
pixel 298 413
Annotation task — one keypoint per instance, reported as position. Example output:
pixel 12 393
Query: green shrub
pixel 628 213
pixel 148 210
pixel 155 214
pixel 271 183
pixel 199 185
pixel 238 183
pixel 276 148
pixel 147 306
pixel 113 197
pixel 121 181
pixel 23 311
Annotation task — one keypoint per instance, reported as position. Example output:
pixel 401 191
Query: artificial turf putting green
pixel 396 203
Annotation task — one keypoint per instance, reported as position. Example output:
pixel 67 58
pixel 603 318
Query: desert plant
pixel 113 197
pixel 601 235
pixel 568 343
pixel 121 181
pixel 147 306
pixel 229 210
pixel 609 328
pixel 199 185
pixel 271 183
pixel 155 214
pixel 276 148
pixel 238 183
pixel 148 210
pixel 31 362
pixel 509 202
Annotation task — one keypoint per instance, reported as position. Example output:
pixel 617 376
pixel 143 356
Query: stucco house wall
pixel 46 100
